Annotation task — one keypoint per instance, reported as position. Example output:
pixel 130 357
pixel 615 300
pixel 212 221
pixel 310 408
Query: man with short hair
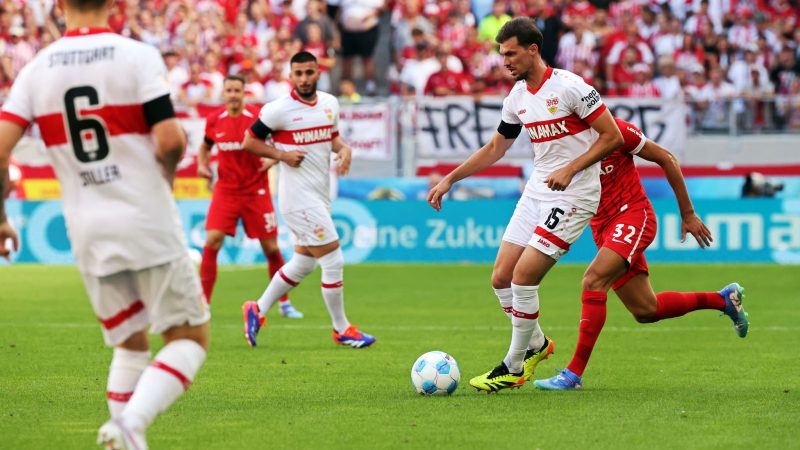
pixel 304 131
pixel 571 130
pixel 102 104
pixel 241 191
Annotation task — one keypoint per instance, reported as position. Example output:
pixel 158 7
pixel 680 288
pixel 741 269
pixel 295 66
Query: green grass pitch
pixel 683 383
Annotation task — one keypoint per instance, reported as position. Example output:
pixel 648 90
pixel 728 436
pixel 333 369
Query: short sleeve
pixel 18 107
pixel 211 122
pixel 633 139
pixel 335 130
pixel 152 75
pixel 585 101
pixel 508 115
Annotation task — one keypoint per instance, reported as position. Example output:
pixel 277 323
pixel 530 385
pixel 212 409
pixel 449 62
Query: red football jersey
pixel 238 169
pixel 621 186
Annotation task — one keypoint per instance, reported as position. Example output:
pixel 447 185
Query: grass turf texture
pixel 683 383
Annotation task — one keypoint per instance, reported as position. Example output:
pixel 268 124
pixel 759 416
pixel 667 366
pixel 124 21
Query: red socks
pixel 593 317
pixel 208 271
pixel 676 304
pixel 275 262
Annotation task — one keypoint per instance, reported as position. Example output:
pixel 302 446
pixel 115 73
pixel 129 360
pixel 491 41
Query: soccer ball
pixel 435 373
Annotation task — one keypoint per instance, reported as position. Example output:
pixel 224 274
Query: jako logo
pixel 543 242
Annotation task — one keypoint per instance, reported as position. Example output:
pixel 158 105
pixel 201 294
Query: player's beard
pixel 311 93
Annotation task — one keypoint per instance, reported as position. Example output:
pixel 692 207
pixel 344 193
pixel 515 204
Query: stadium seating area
pixel 706 50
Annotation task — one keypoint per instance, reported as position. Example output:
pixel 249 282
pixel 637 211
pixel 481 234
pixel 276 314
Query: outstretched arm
pixel 690 222
pixel 609 139
pixel 483 158
pixel 10 134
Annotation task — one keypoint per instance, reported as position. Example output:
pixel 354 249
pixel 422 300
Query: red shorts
pixel 256 212
pixel 629 234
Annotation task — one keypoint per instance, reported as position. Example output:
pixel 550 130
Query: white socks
pixel 170 374
pixel 126 368
pixel 332 266
pixel 506 298
pixel 524 320
pixel 289 276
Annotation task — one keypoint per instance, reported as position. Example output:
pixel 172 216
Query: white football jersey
pixel 86 92
pixel 300 125
pixel 556 116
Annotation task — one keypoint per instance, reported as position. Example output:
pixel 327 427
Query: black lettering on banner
pixel 431 126
pixel 638 115
pixel 479 128
pixel 78 125
pixel 554 218
pixel 454 128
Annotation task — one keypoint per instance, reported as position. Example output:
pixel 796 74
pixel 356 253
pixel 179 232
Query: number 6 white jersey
pixel 94 95
pixel 556 116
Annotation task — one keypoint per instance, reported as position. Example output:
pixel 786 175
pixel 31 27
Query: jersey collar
pixel 546 77
pixel 300 99
pixel 85 31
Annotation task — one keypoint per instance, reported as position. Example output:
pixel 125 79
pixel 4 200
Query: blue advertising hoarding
pixel 753 230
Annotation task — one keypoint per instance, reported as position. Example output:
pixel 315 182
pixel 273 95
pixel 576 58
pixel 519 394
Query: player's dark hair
pixel 303 57
pixel 524 29
pixel 235 77
pixel 86 5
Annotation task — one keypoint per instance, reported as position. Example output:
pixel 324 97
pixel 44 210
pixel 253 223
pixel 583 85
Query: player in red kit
pixel 242 190
pixel 623 228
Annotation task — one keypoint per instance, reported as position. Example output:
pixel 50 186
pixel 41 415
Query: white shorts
pixel 162 296
pixel 311 227
pixel 548 226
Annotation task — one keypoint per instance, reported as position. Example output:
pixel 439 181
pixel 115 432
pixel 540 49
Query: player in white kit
pixel 303 127
pixel 102 104
pixel 571 130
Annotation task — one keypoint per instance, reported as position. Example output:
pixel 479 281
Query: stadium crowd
pixel 713 53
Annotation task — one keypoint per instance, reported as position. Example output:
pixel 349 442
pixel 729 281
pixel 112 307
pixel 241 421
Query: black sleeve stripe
pixel 157 110
pixel 208 141
pixel 509 130
pixel 260 130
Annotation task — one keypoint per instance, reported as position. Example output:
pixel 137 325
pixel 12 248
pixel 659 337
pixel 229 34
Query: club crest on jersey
pixel 552 105
pixel 329 113
pixel 320 232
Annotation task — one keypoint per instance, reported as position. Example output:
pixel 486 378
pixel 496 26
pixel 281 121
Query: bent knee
pixel 596 281
pixel 644 314
pixel 501 280
pixel 214 242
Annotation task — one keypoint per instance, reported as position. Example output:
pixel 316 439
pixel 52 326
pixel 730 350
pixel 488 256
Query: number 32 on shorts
pixel 618 232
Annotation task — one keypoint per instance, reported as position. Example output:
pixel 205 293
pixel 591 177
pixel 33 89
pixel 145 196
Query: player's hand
pixel 203 171
pixel 693 225
pixel 343 158
pixel 560 179
pixel 438 192
pixel 293 158
pixel 7 232
pixel 266 163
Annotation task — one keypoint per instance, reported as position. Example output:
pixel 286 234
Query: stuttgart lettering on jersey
pixel 304 137
pixel 555 129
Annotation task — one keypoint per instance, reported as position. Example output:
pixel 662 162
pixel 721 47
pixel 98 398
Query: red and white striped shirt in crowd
pixel 642 90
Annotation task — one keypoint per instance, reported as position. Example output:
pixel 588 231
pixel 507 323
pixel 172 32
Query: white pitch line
pixel 624 329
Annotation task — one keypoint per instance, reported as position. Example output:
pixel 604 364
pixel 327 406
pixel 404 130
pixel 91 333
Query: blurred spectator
pixel 196 90
pixel 740 72
pixel 715 99
pixel 743 32
pixel 622 75
pixel 642 85
pixel 579 43
pixel 416 71
pixel 668 83
pixel 277 84
pixel 491 24
pixel 348 93
pixel 315 14
pixel 785 71
pixel 359 19
pixel 445 81
pixel 212 73
pixel 325 56
pixel 408 26
pixel 177 76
